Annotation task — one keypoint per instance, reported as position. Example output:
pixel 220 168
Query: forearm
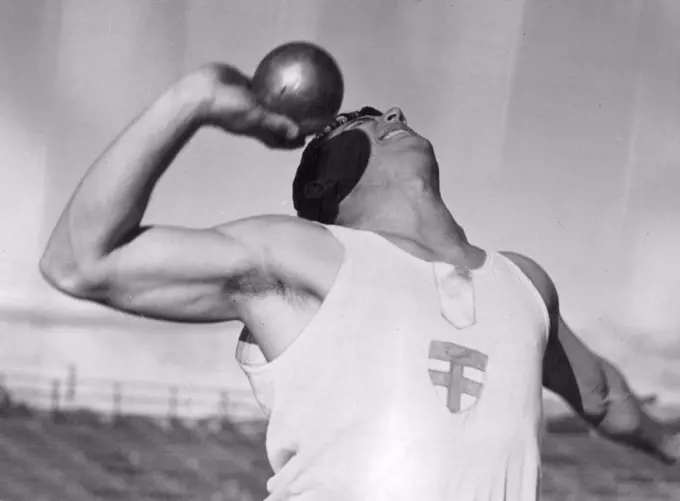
pixel 627 422
pixel 111 199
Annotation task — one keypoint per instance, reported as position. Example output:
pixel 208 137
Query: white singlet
pixel 381 398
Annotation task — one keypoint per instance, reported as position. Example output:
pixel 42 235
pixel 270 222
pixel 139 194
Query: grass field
pixel 578 467
pixel 83 458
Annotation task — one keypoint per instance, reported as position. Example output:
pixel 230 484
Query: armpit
pixel 253 283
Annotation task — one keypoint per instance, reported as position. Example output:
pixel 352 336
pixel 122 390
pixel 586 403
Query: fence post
pixel 117 399
pixel 56 395
pixel 71 383
pixel 5 399
pixel 224 404
pixel 173 403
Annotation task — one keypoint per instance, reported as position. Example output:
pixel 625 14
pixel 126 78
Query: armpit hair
pixel 254 283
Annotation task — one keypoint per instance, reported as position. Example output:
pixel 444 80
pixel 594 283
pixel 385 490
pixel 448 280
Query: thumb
pixel 279 125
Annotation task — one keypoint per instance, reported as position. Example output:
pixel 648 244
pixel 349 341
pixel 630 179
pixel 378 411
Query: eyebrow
pixel 358 120
pixel 365 118
pixel 365 114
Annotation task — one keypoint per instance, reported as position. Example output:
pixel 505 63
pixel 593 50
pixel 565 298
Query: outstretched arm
pixel 592 386
pixel 99 251
pixel 607 404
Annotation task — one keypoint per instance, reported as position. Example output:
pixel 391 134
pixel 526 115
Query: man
pixel 395 359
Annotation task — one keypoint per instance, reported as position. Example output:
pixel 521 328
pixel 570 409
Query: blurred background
pixel 556 125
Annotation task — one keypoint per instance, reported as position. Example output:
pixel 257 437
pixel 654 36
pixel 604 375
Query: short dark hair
pixel 330 168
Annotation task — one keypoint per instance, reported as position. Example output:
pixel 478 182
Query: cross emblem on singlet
pixel 454 380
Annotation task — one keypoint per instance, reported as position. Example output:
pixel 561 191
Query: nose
pixel 394 115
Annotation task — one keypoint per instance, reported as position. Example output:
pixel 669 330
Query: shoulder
pixel 270 222
pixel 276 231
pixel 538 276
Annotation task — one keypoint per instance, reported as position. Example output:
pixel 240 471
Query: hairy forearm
pixel 111 199
pixel 627 422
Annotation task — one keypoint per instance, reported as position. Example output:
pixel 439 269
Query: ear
pixel 317 189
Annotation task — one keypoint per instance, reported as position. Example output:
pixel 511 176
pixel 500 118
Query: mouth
pixel 391 133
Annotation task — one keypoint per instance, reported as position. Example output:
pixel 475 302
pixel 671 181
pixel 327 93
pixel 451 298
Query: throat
pixel 444 248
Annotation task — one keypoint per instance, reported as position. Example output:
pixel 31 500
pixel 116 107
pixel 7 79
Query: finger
pixel 280 125
pixel 275 141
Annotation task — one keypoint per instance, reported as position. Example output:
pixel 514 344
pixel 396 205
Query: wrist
pixel 194 94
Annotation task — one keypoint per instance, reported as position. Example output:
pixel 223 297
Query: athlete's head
pixel 363 160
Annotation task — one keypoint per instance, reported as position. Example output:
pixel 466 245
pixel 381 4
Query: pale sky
pixel 555 123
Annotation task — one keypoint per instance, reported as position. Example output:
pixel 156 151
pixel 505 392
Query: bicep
pixel 574 372
pixel 176 274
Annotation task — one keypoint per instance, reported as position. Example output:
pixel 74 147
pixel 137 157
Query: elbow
pixel 72 273
pixel 66 276
pixel 61 277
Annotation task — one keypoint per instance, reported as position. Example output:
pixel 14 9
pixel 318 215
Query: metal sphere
pixel 302 81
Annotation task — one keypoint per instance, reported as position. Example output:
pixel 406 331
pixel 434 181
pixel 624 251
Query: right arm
pixel 99 250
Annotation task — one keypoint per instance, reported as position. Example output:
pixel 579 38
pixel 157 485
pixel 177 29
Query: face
pixel 397 151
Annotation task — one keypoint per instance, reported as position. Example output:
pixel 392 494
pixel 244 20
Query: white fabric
pixel 382 398
pixel 456 295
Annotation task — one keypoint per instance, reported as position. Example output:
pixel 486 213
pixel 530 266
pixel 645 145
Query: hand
pixel 670 448
pixel 627 422
pixel 232 106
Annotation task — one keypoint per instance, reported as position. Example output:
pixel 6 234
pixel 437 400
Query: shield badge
pixel 457 374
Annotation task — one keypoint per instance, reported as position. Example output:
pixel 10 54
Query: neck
pixel 423 222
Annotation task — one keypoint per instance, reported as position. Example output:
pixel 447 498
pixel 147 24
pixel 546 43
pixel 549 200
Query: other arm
pixel 592 386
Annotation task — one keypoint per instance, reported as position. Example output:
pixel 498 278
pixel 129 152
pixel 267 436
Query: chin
pixel 423 146
pixel 414 153
pixel 413 145
pixel 422 151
